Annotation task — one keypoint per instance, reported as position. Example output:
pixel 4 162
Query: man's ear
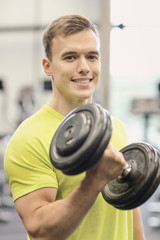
pixel 47 66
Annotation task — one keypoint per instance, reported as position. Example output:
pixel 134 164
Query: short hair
pixel 65 26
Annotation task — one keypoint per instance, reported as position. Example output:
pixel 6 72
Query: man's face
pixel 75 66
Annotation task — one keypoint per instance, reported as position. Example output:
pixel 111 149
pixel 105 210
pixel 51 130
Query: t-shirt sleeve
pixel 27 165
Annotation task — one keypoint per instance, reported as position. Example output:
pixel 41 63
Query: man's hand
pixel 109 167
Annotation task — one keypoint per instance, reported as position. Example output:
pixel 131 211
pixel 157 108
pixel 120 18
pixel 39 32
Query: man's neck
pixel 64 107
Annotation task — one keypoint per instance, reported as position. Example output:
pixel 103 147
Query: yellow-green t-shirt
pixel 28 168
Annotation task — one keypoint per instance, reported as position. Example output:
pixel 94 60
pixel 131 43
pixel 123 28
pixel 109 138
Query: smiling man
pixel 51 204
pixel 74 67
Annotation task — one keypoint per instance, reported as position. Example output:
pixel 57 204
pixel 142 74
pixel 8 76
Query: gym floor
pixel 14 230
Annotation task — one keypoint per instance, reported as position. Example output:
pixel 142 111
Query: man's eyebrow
pixel 68 53
pixel 74 53
pixel 94 52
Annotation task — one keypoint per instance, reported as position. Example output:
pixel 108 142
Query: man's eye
pixel 70 58
pixel 93 57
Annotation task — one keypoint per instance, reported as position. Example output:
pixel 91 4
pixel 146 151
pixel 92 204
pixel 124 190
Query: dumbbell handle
pixel 126 170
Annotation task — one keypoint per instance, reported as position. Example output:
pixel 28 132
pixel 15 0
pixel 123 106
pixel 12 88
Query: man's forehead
pixel 85 39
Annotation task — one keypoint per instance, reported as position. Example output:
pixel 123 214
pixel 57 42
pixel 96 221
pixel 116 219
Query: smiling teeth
pixel 83 81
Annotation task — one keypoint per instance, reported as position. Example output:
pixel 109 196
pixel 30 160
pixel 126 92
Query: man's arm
pixel 47 219
pixel 138 233
pixel 44 218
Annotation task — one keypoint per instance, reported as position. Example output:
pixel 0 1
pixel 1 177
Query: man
pixel 51 204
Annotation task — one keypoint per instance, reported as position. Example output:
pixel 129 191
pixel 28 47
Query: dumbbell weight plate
pixel 81 139
pixel 97 152
pixel 134 189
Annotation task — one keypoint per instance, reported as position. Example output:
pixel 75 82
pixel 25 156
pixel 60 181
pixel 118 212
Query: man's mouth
pixel 82 80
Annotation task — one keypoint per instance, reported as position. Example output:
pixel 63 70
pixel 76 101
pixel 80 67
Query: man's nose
pixel 83 67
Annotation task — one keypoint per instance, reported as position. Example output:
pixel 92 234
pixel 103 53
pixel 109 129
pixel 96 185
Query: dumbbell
pixel 80 141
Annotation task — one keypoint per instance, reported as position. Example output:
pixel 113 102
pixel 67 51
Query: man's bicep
pixel 27 205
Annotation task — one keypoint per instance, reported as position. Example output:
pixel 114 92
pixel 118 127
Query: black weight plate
pixel 102 144
pixel 69 158
pixel 129 192
pixel 72 134
pixel 153 185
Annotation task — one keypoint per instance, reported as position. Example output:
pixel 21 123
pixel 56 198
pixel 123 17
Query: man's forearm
pixel 138 232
